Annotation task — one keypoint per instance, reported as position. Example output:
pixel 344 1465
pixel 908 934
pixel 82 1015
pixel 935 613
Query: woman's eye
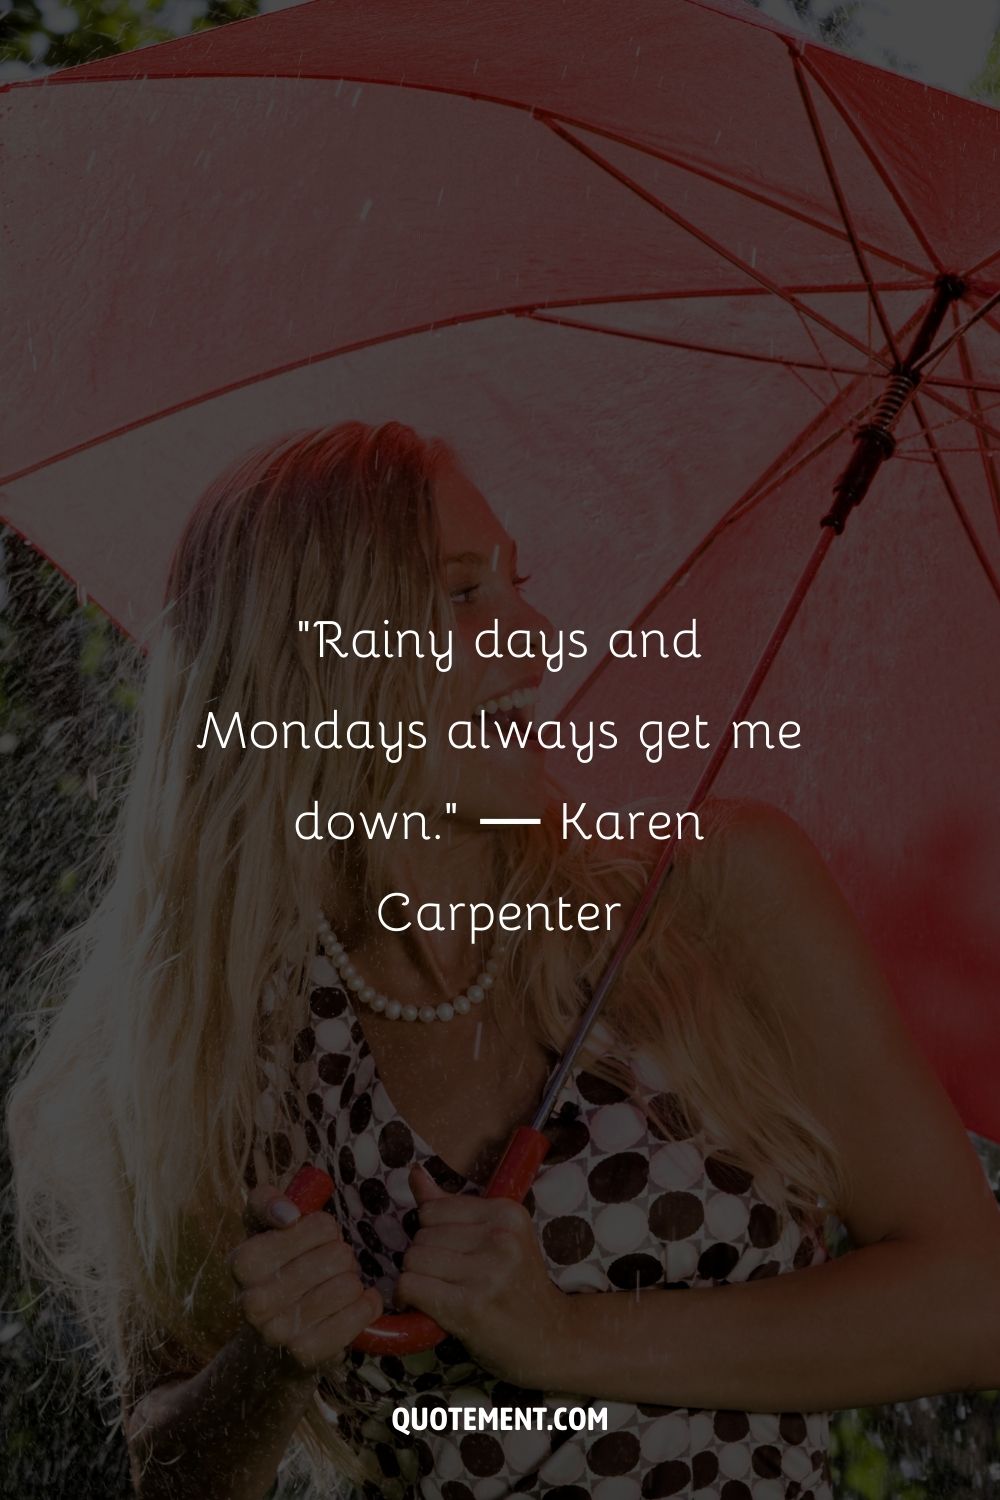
pixel 467 593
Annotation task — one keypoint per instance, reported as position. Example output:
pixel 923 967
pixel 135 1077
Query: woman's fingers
pixel 268 1208
pixel 264 1253
pixel 456 1208
pixel 297 1279
pixel 327 1340
pixel 301 1285
pixel 280 1324
pixel 435 1260
pixel 464 1237
pixel 313 1342
pixel 443 1301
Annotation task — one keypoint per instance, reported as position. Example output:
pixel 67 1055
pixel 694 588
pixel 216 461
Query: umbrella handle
pixel 415 1332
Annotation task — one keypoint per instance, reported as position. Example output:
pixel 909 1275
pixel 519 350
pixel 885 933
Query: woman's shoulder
pixel 739 834
pixel 746 860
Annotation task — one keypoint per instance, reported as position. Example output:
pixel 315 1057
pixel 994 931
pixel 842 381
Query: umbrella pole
pixel 874 442
pixel 664 863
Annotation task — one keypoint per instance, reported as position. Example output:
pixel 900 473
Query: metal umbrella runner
pixel 679 287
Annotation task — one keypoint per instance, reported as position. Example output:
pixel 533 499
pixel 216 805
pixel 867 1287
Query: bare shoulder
pixel 745 847
pixel 743 858
pixel 910 1170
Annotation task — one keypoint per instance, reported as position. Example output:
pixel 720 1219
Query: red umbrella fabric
pixel 648 268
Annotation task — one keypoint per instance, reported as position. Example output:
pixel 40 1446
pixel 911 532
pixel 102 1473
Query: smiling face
pixel 480 573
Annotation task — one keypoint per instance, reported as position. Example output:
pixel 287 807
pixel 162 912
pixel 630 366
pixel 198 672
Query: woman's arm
pixel 890 1322
pixel 914 1311
pixel 219 1434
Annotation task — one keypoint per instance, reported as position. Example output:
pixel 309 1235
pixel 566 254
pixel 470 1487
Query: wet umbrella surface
pixel 677 286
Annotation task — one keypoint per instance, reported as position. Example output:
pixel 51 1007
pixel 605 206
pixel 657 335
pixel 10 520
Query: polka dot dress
pixel 619 1204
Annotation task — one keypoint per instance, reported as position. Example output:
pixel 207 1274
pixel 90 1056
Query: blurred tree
pixel 833 23
pixel 987 85
pixel 36 35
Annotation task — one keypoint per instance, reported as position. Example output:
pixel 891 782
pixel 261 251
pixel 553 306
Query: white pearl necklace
pixel 393 1010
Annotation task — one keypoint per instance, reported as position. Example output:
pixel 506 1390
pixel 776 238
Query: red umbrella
pixel 664 275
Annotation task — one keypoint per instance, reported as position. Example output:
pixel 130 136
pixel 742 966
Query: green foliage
pixel 836 26
pixel 64 33
pixel 987 85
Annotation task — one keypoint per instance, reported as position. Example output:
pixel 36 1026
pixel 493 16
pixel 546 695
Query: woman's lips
pixel 513 707
pixel 515 698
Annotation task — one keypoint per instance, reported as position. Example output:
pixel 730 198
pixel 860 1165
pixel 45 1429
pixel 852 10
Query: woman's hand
pixel 301 1290
pixel 475 1266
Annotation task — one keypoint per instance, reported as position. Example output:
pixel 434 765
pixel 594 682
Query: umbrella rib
pixel 938 351
pixel 925 458
pixel 353 347
pixel 706 239
pixel 880 168
pixel 987 455
pixel 665 860
pixel 962 514
pixel 258 378
pixel 773 477
pixel 963 413
pixel 522 309
pixel 694 348
pixel 822 145
pixel 974 289
pixel 952 382
pixel 822 288
pixel 732 186
pixel 766 659
pixel 778 472
pixel 796 371
pixel 821 352
pixel 963 420
pixel 981 265
pixel 367 80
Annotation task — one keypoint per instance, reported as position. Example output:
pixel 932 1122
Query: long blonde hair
pixel 133 1119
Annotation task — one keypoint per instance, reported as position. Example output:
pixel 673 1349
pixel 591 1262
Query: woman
pixel 242 1009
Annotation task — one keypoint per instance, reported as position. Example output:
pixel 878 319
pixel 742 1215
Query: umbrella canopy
pixel 648 269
